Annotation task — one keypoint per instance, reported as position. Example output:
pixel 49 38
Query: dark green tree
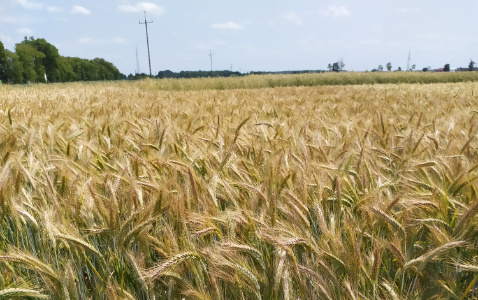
pixel 13 68
pixel 446 68
pixel 51 58
pixel 471 66
pixel 335 67
pixel 3 60
pixel 33 69
pixel 35 58
pixel 389 66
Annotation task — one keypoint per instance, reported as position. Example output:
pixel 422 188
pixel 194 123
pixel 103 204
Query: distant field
pixel 289 188
pixel 313 79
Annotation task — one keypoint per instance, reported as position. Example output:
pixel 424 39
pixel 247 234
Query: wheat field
pixel 126 191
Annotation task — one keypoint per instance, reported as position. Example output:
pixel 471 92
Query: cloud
pixel 10 20
pixel 227 26
pixel 25 31
pixel 80 10
pixel 371 42
pixel 404 10
pixel 142 6
pixel 54 9
pixel 335 12
pixel 5 38
pixel 292 17
pixel 119 41
pixel 90 41
pixel 208 45
pixel 29 4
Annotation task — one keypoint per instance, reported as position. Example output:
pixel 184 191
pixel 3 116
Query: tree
pixel 380 68
pixel 3 60
pixel 31 59
pixel 389 66
pixel 335 67
pixel 399 68
pixel 51 58
pixel 425 69
pixel 329 67
pixel 13 68
pixel 341 64
pixel 471 66
pixel 446 68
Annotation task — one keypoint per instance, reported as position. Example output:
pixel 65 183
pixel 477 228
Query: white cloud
pixel 54 9
pixel 209 45
pixel 119 41
pixel 25 31
pixel 292 17
pixel 80 10
pixel 5 39
pixel 87 41
pixel 90 41
pixel 335 12
pixel 370 42
pixel 10 20
pixel 404 10
pixel 227 26
pixel 142 6
pixel 29 4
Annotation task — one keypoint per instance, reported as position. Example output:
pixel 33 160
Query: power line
pixel 147 42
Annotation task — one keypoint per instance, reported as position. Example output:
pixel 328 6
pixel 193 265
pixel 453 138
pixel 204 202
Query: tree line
pixel 36 60
pixel 197 74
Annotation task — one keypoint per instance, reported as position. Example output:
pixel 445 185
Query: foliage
pixel 35 58
pixel 389 66
pixel 334 192
pixel 50 60
pixel 12 68
pixel 3 60
pixel 33 69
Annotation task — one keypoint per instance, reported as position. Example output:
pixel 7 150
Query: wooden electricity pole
pixel 210 56
pixel 147 42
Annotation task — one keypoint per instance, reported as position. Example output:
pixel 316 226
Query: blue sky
pixel 251 35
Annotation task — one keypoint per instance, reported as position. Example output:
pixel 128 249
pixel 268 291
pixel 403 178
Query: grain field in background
pixel 124 191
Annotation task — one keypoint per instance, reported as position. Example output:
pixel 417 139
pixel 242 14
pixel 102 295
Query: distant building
pixel 443 70
pixel 465 69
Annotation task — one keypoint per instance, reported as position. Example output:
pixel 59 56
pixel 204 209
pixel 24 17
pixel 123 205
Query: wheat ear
pixel 157 271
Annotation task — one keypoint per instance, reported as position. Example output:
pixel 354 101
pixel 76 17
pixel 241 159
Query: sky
pixel 250 35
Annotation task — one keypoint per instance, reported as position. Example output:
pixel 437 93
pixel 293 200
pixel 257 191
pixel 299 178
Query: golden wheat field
pixel 126 191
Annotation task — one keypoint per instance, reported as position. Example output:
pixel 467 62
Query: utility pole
pixel 147 42
pixel 408 62
pixel 137 62
pixel 210 56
